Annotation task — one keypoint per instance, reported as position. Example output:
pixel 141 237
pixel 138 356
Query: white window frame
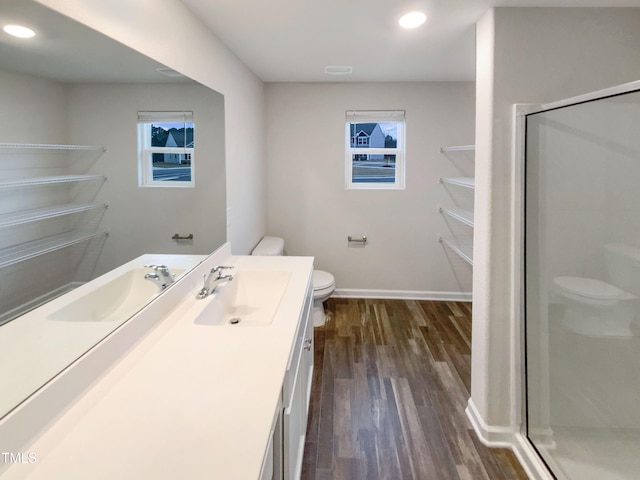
pixel 146 151
pixel 375 116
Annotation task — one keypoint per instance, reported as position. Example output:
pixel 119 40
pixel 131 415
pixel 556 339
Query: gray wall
pixel 143 220
pixel 309 206
pixel 31 109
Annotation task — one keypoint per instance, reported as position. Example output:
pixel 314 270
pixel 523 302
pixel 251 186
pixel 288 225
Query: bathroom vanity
pixel 187 388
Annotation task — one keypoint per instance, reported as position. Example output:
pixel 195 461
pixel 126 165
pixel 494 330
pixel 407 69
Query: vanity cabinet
pixel 287 442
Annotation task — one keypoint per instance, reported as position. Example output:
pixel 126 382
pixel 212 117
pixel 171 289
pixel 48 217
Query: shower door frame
pixel 526 451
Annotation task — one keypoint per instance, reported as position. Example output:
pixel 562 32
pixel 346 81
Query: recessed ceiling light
pixel 19 31
pixel 412 20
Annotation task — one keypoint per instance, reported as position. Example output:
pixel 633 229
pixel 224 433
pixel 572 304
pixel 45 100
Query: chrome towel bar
pixel 363 239
pixel 177 236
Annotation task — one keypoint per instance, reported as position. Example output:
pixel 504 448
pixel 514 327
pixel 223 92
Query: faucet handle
pixel 163 269
pixel 219 268
pixel 204 291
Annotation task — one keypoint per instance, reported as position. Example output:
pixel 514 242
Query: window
pixel 374 149
pixel 166 149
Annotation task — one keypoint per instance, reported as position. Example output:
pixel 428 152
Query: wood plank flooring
pixel 391 382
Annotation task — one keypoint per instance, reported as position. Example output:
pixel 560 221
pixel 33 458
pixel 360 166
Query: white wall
pixel 143 219
pixel 526 55
pixel 309 206
pixel 199 54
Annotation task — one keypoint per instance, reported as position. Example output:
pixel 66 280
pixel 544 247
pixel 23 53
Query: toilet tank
pixel 273 246
pixel 623 265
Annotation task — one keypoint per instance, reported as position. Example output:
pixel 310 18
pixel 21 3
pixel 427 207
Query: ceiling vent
pixel 338 70
pixel 169 72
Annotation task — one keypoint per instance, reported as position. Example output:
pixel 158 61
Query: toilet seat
pixel 323 283
pixel 594 308
pixel 323 286
pixel 589 288
pixel 322 280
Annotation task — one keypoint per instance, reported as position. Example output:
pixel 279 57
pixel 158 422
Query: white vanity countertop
pixel 35 332
pixel 188 402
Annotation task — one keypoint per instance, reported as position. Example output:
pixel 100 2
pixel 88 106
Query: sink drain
pixel 234 321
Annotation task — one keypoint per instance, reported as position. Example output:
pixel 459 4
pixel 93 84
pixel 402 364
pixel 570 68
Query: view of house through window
pixel 166 149
pixel 375 149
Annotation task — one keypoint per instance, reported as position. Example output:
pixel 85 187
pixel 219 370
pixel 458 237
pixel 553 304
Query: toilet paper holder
pixel 362 239
pixel 177 236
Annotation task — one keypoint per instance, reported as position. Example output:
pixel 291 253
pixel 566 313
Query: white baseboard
pixel 507 437
pixel 402 295
pixel 497 437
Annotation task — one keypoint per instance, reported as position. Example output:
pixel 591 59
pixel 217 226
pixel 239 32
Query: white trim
pixel 587 97
pixel 517 384
pixel 491 436
pixel 165 117
pixel 375 151
pixel 522 448
pixel 178 150
pixel 374 116
pixel 506 437
pixel 402 294
pixel 529 459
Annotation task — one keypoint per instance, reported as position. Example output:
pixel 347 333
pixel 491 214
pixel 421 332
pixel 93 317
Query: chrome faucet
pixel 162 276
pixel 211 281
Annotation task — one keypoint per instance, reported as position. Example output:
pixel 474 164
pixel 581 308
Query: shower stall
pixel 581 284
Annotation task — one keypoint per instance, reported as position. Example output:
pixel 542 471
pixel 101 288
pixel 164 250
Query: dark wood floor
pixel 391 382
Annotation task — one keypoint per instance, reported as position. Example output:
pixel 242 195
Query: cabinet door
pixel 306 366
pixel 267 465
pixel 297 404
pixel 295 426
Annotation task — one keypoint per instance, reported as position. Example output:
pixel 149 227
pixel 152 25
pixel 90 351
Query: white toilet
pixel 597 308
pixel 323 282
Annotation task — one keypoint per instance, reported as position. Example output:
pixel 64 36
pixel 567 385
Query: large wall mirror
pixel 69 215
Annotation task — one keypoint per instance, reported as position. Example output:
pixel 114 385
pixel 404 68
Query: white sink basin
pixel 251 299
pixel 114 301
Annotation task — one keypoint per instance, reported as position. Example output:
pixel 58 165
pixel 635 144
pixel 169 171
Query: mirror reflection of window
pixel 166 152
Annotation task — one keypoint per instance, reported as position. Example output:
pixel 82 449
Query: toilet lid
pixel 588 287
pixel 322 279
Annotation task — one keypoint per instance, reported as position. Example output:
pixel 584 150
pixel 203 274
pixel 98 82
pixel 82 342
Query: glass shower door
pixel 582 283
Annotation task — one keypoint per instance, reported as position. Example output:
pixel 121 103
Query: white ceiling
pixel 67 51
pixel 293 40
